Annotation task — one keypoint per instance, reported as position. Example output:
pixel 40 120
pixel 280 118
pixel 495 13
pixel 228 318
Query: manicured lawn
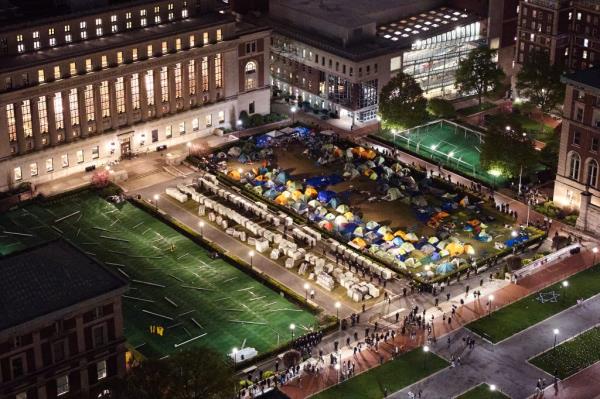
pixel 475 109
pixel 529 311
pixel 174 283
pixel 394 375
pixel 482 391
pixel 571 356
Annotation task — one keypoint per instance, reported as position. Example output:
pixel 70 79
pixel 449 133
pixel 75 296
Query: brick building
pixel 576 185
pixel 61 325
pixel 82 87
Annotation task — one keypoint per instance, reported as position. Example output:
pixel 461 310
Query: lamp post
pixel 292 328
pixel 595 251
pixel 490 299
pixel 239 123
pixel 156 197
pixel 293 111
pixel 189 147
pixel 251 255
pixel 426 350
pixel 555 331
pixel 306 287
pixel 337 313
pixel 492 387
pixel 201 225
pixel 234 353
pixel 337 368
pixel 565 285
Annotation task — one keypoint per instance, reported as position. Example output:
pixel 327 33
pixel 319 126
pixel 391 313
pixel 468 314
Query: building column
pixel 143 95
pixel 157 93
pixel 128 99
pixel 112 95
pixel 35 123
pixel 185 84
pixel 19 124
pixel 98 109
pixel 199 90
pixel 67 116
pixel 172 89
pixel 83 117
pixel 4 140
pixel 212 86
pixel 52 133
pixel 584 204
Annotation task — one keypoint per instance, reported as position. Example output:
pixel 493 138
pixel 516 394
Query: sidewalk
pixel 472 310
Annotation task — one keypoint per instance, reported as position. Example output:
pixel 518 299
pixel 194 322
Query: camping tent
pixel 342 208
pixel 234 174
pixel 281 178
pixel 445 268
pixel 359 231
pixel 326 196
pixel 310 192
pixel 281 200
pixel 340 221
pixel 359 242
pixel 372 225
pixel 455 249
pixel 393 193
pixel 234 151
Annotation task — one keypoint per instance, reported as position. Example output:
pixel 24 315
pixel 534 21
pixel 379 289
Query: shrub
pixel 257 120
pixel 245 119
pixel 440 108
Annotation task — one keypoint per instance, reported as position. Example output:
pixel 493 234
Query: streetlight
pixel 292 328
pixel 293 110
pixel 490 299
pixel 337 312
pixel 234 353
pixel 156 197
pixel 201 225
pixel 565 285
pixel 189 146
pixel 595 251
pixel 426 350
pixel 337 368
pixel 514 233
pixel 239 123
pixel 555 331
pixel 251 255
pixel 306 287
pixel 492 387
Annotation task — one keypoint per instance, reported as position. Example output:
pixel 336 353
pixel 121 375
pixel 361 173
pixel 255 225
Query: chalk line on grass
pixel 157 314
pixel 222 299
pixel 188 312
pixel 196 323
pixel 114 238
pixel 257 298
pixel 66 217
pixel 170 301
pixel 138 225
pixel 197 288
pixel 123 272
pixel 137 299
pixel 248 322
pixel 189 340
pixel 230 279
pixel 14 233
pixel 176 278
pixel 149 283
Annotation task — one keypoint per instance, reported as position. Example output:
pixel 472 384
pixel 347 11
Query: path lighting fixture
pixel 292 328
pixel 251 255
pixel 492 387
pixel 306 287
pixel 293 110
pixel 555 331
pixel 156 197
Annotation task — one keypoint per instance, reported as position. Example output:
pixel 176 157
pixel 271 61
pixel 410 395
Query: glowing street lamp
pixel 201 225
pixel 293 111
pixel 337 368
pixel 595 251
pixel 306 287
pixel 555 331
pixel 234 353
pixel 156 197
pixel 337 312
pixel 565 285
pixel 251 255
pixel 514 233
pixel 492 387
pixel 239 124
pixel 425 350
pixel 292 328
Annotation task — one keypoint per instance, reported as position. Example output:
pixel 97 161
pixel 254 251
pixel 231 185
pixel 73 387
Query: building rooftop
pixel 588 77
pixel 48 278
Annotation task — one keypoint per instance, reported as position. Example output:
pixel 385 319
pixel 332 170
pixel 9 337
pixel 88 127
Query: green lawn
pixel 571 356
pixel 394 375
pixel 473 109
pixel 482 391
pixel 529 311
pixel 188 293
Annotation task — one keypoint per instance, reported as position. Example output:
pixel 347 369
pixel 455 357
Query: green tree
pixel 440 108
pixel 539 82
pixel 401 102
pixel 506 149
pixel 478 73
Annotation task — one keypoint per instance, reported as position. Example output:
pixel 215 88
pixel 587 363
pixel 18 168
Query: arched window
pixel 574 165
pixel 592 173
pixel 250 67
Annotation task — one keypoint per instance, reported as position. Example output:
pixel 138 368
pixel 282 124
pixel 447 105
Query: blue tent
pixel 318 182
pixel 398 241
pixel 349 228
pixel 243 158
pixel 326 196
pixel 263 141
pixel 445 268
pixel 334 202
pixel 270 194
pixel 281 178
pixel 435 256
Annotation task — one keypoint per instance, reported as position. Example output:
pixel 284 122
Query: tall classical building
pixel 567 30
pixel 576 185
pixel 84 87
pixel 61 324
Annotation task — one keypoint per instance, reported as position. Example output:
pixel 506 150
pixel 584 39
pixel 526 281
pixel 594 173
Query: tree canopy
pixel 401 102
pixel 478 73
pixel 440 108
pixel 506 149
pixel 539 82
pixel 192 374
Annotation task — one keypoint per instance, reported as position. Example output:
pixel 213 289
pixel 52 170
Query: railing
pixel 545 261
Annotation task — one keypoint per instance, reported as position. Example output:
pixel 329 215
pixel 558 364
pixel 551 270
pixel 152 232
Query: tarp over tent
pixel 326 196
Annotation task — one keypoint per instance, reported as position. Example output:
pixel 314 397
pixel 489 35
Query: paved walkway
pixel 473 309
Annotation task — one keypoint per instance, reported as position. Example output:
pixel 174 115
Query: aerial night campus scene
pixel 227 199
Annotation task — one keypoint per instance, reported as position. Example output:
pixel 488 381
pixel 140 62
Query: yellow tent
pixel 369 154
pixel 281 200
pixel 349 215
pixel 297 195
pixel 401 234
pixel 359 242
pixel 234 174
pixel 455 249
pixel 469 250
pixel 310 192
pixel 388 237
pixel 358 150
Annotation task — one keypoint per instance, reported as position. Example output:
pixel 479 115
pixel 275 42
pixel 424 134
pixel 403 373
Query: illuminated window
pixel 150 87
pixel 205 38
pixel 52 42
pixel 574 165
pixel 26 117
pixel 104 61
pixel 12 123
pixel 178 82
pixel 72 68
pixel 219 35
pixel 156 9
pixel 41 78
pixel 17 173
pixel 128 15
pixel 104 99
pixel 58 111
pixel 164 84
pixel 149 50
pixel 99 31
pixel 43 114
pixel 82 25
pixel 49 165
pixel 192 40
pixel 157 19
pixel 250 67
pixel 134 54
pixel 178 44
pixel 57 72
pixel 181 128
pixel 128 25
pixel 89 103
pixel 221 116
pixel 208 120
pixel 169 131
pixel 36 44
pixel 218 71
pixel 170 7
pixel 171 16
pixel 68 38
pixel 35 34
pixel 250 83
pixel 101 370
pixel 135 91
pixel 120 94
pixel 33 169
pixel 88 65
pixel 50 31
pixel 184 10
pixel 74 107
pixel 205 74
pixel 192 76
pixel 67 28
pixel 143 21
pixel 95 152
pixel 119 57
pixel 164 47
pixel 195 124
pixel 64 159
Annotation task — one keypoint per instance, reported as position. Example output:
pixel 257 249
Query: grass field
pixel 444 143
pixel 482 391
pixel 192 296
pixel 529 311
pixel 571 356
pixel 394 375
